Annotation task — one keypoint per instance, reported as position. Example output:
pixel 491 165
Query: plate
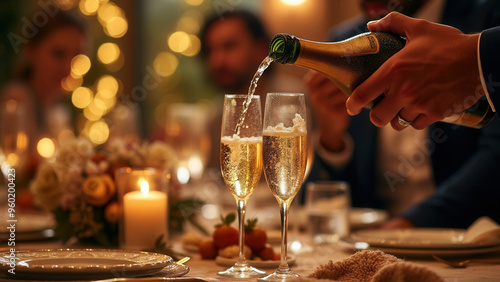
pixel 29 226
pixel 255 263
pixel 353 245
pixel 418 238
pixel 66 264
pixel 364 217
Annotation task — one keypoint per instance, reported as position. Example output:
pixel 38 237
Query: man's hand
pixel 329 107
pixel 434 76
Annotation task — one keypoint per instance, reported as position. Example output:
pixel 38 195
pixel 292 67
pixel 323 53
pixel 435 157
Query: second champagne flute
pixel 241 164
pixel 285 160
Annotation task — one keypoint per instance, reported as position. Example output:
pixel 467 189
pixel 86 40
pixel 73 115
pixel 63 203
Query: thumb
pixel 394 22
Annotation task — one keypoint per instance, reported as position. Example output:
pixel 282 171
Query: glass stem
pixel 284 237
pixel 241 228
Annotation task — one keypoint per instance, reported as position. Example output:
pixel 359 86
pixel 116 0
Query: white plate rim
pixel 221 261
pixel 375 237
pixel 155 262
pixel 427 253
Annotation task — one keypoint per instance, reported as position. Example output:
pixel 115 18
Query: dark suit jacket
pixel 489 49
pixel 465 162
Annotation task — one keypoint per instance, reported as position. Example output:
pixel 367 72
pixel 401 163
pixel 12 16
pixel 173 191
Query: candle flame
pixel 144 188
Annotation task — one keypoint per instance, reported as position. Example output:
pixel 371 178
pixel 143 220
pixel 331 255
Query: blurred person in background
pixel 233 46
pixel 35 93
pixel 443 176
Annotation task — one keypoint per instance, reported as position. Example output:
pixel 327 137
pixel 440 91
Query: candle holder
pixel 143 200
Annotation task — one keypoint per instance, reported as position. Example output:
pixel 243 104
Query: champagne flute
pixel 241 164
pixel 285 159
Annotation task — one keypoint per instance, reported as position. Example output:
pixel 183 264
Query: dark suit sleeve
pixel 489 52
pixel 473 191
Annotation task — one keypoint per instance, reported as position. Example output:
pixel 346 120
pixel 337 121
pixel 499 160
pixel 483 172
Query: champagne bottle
pixel 348 63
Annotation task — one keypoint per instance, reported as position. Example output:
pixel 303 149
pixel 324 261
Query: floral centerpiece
pixel 78 187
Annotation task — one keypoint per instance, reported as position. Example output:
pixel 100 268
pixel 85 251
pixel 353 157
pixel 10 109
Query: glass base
pixel 282 276
pixel 242 271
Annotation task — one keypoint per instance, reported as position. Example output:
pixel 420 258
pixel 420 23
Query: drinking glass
pixel 285 159
pixel 14 139
pixel 327 205
pixel 186 131
pixel 241 164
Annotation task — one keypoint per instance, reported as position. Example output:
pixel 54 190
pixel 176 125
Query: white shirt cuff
pixel 481 76
pixel 337 160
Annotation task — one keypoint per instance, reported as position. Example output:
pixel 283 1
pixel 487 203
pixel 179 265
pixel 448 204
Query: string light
pixel 46 147
pixel 80 65
pixel 108 53
pixel 165 64
pixel 81 97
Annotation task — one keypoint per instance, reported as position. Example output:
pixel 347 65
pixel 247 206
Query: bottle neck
pixel 284 48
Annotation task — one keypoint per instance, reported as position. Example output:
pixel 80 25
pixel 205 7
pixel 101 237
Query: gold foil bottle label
pixel 364 45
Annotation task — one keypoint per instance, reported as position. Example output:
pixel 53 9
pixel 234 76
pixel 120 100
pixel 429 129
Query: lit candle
pixel 145 217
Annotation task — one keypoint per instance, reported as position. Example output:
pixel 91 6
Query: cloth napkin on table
pixel 373 266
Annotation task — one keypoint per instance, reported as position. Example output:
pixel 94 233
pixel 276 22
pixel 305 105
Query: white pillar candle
pixel 145 217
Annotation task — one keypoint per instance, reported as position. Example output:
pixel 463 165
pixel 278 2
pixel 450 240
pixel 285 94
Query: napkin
pixel 483 231
pixel 373 266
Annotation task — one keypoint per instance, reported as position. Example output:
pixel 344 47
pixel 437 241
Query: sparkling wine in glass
pixel 285 160
pixel 241 165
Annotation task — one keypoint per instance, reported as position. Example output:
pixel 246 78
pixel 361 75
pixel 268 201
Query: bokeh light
pixel 70 83
pixel 97 107
pixel 90 115
pixel 108 83
pixel 178 41
pixel 107 11
pixel 89 7
pixel 80 65
pixel 293 2
pixel 108 53
pixel 165 64
pixel 46 147
pixel 99 132
pixel 116 27
pixel 190 22
pixel 194 2
pixel 81 97
pixel 194 46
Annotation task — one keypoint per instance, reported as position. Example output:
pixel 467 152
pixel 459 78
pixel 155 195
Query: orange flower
pixel 98 190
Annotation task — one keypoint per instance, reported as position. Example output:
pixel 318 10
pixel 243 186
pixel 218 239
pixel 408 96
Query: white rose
pixel 46 187
pixel 74 154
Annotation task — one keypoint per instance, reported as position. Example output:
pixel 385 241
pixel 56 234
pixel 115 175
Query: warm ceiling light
pixel 293 2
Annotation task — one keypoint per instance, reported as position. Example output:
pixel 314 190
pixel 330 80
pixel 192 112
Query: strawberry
pixel 255 237
pixel 267 253
pixel 224 234
pixel 207 249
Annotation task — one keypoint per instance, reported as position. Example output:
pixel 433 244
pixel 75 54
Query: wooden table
pixel 306 263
